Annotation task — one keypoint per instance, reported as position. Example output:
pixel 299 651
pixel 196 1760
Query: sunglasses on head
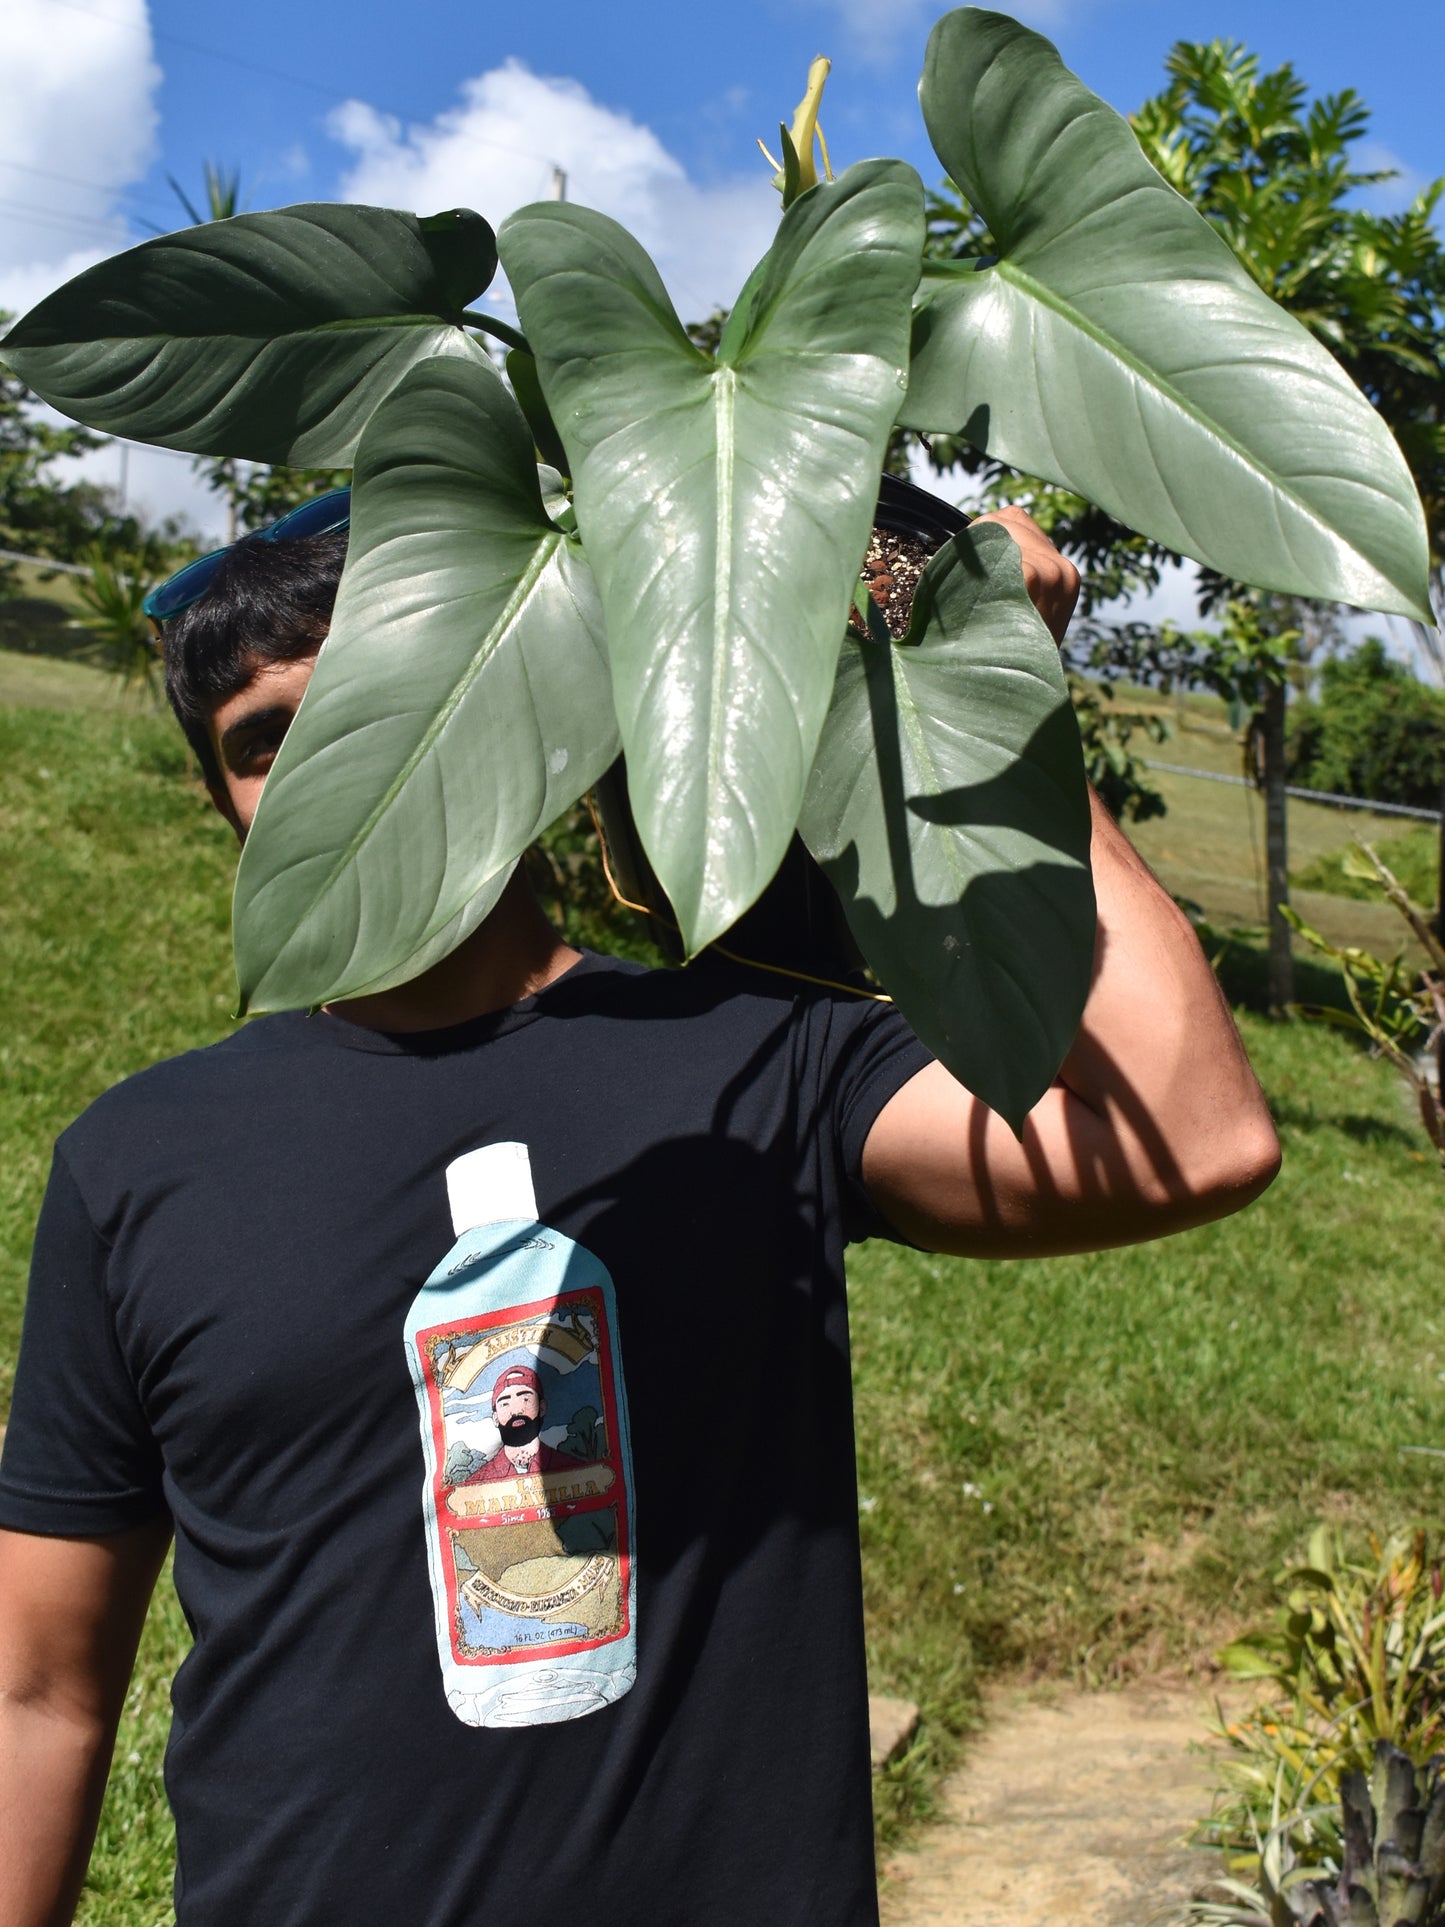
pixel 322 515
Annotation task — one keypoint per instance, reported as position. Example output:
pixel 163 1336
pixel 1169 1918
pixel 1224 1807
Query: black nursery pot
pixel 797 924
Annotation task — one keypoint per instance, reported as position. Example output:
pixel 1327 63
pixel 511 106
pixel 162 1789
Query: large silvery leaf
pixel 949 809
pixel 460 703
pixel 725 503
pixel 1119 347
pixel 269 336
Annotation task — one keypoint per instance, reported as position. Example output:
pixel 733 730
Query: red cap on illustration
pixel 515 1375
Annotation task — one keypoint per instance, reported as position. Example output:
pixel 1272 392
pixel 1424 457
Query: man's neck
pixel 513 953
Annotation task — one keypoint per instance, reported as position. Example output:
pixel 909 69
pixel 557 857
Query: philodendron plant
pixel 674 583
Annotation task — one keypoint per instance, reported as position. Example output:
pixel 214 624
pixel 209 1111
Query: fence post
pixel 1276 843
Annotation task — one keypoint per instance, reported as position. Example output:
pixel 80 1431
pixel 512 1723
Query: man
pixel 519 1409
pixel 223 1268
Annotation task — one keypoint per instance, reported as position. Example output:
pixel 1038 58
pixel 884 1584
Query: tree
pixel 36 515
pixel 1373 731
pixel 1274 173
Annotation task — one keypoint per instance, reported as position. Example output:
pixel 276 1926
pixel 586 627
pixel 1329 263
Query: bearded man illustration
pixel 519 1408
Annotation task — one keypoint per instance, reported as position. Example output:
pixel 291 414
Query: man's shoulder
pixel 192 1077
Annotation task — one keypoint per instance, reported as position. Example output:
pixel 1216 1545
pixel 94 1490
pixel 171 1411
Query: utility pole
pixel 558 189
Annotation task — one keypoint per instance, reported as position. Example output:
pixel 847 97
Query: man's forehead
pixel 268 686
pixel 263 673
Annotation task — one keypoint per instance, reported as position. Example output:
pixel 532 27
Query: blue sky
pixel 706 92
pixel 652 110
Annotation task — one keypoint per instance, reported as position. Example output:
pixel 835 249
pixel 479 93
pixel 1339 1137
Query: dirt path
pixel 1068 1810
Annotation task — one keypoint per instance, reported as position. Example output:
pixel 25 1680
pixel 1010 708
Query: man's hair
pixel 269 602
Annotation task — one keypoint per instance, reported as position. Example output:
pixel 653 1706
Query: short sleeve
pixel 79 1457
pixel 871 1054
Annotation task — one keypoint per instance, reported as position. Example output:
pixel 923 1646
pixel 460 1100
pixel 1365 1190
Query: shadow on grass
pixel 35 626
pixel 1242 966
pixel 1351 1124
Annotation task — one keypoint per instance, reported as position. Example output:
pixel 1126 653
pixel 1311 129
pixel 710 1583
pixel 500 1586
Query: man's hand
pixel 70 1618
pixel 1051 579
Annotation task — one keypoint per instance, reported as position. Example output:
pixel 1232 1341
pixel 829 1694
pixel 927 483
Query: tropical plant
pixel 1389 1870
pixel 1279 176
pixel 1355 1657
pixel 220 190
pixel 255 493
pixel 113 594
pixel 675 582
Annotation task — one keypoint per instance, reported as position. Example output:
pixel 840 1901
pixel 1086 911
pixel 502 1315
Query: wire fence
pixel 1305 796
pixel 44 562
pixel 1171 769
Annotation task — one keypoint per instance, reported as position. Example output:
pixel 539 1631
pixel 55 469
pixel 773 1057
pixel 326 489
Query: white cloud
pixel 1387 197
pixel 497 149
pixel 78 116
pixel 79 120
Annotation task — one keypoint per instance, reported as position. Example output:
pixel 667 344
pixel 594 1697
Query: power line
pixel 51 217
pixel 289 80
pixel 74 180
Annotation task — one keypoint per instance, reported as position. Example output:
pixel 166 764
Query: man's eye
pixel 258 752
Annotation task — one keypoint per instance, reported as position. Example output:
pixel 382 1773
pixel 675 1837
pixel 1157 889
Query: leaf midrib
pixel 725 385
pixel 1150 378
pixel 491 642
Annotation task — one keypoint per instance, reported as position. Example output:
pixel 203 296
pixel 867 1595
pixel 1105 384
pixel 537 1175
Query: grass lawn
pixel 1083 1466
pixel 1210 846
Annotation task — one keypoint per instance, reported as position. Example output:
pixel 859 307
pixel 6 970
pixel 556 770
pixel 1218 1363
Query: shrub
pixel 1374 731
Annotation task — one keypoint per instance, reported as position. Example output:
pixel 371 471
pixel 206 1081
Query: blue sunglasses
pixel 322 515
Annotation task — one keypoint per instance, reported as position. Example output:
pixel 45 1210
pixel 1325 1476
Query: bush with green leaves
pixel 674 583
pixel 1373 730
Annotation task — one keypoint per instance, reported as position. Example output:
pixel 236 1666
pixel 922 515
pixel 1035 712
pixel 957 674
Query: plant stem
pixel 488 324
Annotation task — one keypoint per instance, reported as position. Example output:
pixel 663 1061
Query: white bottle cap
pixel 491 1185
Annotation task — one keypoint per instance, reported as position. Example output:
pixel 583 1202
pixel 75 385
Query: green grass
pixel 1414 857
pixel 1209 848
pixel 113 926
pixel 1082 1467
pixel 1152 1428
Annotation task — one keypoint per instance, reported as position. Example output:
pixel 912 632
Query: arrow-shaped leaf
pixel 268 336
pixel 949 809
pixel 725 504
pixel 1118 346
pixel 460 703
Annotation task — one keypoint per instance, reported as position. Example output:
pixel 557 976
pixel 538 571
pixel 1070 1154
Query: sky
pixel 651 111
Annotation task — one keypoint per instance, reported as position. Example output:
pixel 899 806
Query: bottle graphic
pixel 527 1498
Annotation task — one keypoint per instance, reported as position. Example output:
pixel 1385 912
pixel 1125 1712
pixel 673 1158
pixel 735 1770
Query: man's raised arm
pixel 70 1617
pixel 1156 1121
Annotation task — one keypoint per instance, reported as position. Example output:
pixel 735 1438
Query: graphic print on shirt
pixel 527 1500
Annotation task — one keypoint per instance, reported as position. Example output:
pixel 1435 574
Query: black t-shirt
pixel 226 1259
